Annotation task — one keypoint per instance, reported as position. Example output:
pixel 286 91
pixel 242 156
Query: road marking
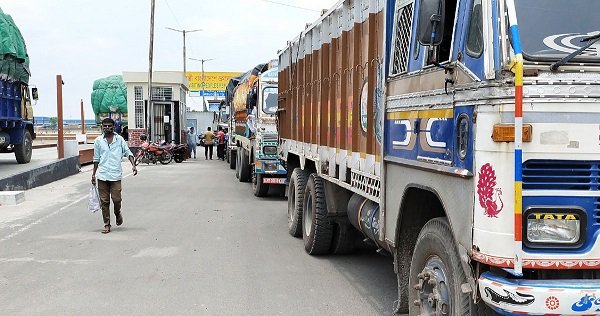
pixel 29 259
pixel 27 227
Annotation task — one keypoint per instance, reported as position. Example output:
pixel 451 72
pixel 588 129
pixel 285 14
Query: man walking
pixel 192 141
pixel 209 138
pixel 221 143
pixel 109 148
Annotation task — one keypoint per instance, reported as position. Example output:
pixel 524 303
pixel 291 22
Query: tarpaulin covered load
pixel 246 83
pixel 109 95
pixel 14 61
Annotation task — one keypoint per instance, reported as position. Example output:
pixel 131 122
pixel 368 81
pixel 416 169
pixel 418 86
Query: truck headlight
pixel 549 227
pixel 270 166
pixel 269 150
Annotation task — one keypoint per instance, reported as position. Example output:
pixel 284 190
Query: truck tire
pixel 244 167
pixel 231 160
pixel 237 163
pixel 296 189
pixel 260 189
pixel 23 151
pixel 435 265
pixel 317 230
pixel 345 238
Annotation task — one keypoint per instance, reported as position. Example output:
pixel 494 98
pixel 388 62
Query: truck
pixel 16 111
pixel 459 136
pixel 253 129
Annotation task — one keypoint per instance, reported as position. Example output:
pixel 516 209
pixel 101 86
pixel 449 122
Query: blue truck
pixel 16 111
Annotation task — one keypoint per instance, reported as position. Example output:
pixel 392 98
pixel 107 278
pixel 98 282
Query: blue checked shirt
pixel 108 156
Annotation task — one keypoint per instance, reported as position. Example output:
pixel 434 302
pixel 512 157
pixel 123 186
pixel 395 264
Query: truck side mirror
pixel 34 93
pixel 430 27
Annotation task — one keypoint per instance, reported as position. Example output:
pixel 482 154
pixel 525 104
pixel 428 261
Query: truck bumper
pixel 270 168
pixel 540 297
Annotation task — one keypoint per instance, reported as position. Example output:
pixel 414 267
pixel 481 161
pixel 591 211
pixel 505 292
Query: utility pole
pixel 184 32
pixel 150 110
pixel 59 111
pixel 203 92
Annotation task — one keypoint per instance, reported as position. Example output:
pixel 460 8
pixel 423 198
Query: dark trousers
pixel 207 149
pixel 221 151
pixel 108 189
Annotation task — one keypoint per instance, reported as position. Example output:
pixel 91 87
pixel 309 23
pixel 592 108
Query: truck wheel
pixel 296 189
pixel 237 164
pixel 260 189
pixel 23 151
pixel 436 274
pixel 345 238
pixel 231 160
pixel 244 167
pixel 317 230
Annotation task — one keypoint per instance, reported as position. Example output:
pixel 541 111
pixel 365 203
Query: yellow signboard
pixel 213 81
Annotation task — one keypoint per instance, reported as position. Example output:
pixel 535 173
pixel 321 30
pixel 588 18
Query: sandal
pixel 106 229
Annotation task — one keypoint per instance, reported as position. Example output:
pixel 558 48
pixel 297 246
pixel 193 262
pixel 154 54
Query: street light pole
pixel 184 49
pixel 202 61
pixel 149 107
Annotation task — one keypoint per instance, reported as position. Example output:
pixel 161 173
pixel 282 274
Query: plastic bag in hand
pixel 94 200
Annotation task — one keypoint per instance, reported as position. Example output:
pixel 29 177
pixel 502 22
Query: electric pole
pixel 184 32
pixel 150 57
pixel 202 61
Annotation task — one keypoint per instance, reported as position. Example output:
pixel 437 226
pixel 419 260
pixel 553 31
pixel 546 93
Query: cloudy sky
pixel 84 40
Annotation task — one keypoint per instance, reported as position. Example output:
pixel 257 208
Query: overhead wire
pixel 290 5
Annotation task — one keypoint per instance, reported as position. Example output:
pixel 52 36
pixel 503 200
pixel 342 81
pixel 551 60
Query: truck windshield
pixel 552 29
pixel 270 100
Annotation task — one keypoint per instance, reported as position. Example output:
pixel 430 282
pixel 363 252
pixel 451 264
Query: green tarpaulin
pixel 14 62
pixel 109 95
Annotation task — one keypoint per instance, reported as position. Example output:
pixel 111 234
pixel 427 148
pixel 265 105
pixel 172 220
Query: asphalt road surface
pixel 194 242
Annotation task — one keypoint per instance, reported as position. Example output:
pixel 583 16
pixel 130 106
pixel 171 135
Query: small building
pixel 167 110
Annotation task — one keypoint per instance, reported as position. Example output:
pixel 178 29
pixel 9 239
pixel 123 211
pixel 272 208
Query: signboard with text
pixel 213 81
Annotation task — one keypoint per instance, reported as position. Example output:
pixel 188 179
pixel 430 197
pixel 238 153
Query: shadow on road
pixel 372 275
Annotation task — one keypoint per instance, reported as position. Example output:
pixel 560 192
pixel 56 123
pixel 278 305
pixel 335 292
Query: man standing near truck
pixel 209 138
pixel 220 143
pixel 109 148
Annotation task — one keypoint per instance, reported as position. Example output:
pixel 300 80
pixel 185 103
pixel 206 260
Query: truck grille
pixel 561 175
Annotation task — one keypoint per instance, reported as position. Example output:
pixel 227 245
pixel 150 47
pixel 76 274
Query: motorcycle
pixel 152 153
pixel 179 152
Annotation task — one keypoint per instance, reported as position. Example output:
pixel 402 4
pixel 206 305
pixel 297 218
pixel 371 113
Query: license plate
pixel 274 180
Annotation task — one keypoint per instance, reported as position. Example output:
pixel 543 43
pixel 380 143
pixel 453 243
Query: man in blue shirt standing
pixel 109 148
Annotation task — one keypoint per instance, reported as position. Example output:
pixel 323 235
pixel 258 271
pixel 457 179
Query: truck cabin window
pixel 474 45
pixel 552 29
pixel 444 49
pixel 270 100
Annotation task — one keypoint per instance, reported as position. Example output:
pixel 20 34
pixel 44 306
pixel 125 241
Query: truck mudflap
pixel 540 297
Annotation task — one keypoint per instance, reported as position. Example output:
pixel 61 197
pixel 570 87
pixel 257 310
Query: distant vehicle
pixel 253 129
pixel 16 111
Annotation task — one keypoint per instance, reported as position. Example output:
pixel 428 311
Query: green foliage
pixel 53 122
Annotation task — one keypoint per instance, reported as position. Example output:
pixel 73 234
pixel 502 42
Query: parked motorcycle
pixel 179 152
pixel 152 153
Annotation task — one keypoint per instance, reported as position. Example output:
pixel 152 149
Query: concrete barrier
pixel 42 175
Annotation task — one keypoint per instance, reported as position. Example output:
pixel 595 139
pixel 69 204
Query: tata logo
pixel 563 216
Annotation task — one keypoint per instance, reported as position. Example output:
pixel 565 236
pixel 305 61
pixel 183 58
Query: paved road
pixel 194 242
